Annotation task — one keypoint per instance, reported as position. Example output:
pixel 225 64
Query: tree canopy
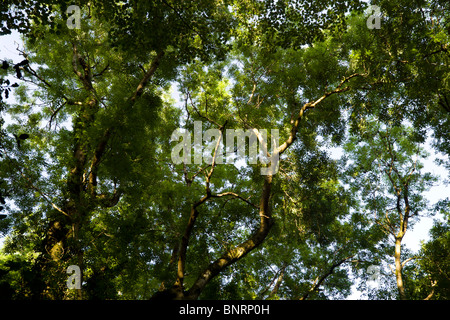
pixel 88 178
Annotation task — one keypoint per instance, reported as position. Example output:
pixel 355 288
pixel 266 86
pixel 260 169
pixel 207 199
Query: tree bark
pixel 242 249
pixel 277 284
pixel 185 241
pixel 266 221
pixel 399 267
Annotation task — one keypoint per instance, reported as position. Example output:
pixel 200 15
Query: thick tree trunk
pixel 266 221
pixel 242 249
pixel 228 258
pixel 398 267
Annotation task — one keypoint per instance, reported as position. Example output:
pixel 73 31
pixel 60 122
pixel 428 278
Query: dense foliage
pixel 87 175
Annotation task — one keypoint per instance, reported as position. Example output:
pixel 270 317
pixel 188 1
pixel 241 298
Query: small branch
pixel 33 73
pixel 290 198
pixel 388 229
pixel 111 201
pixel 235 196
pixel 190 180
pixel 253 92
pixel 213 163
pixel 54 114
pixel 318 281
pixel 76 58
pixel 444 104
pixel 199 114
pixel 433 285
pixel 312 105
pixel 101 72
pixel 147 76
pixel 392 270
pixel 98 154
pixel 278 277
pixel 44 195
pixel 200 171
pixel 409 259
pixel 443 48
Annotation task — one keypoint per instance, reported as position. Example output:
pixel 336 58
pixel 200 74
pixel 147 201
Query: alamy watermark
pixel 74 281
pixel 74 21
pixel 214 150
pixel 374 274
pixel 374 20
